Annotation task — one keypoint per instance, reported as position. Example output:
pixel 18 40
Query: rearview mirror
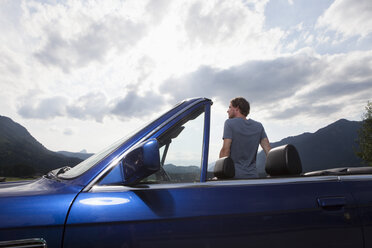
pixel 141 162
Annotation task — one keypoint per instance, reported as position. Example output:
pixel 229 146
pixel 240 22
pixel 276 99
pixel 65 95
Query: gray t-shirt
pixel 246 135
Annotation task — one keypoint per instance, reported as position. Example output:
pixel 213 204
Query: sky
pixel 80 75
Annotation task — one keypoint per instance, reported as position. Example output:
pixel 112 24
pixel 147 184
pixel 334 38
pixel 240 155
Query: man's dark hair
pixel 242 104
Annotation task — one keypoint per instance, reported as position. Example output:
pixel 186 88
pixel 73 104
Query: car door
pixel 176 207
pixel 256 213
pixel 360 187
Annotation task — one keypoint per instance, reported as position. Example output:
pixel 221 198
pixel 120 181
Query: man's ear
pixel 239 110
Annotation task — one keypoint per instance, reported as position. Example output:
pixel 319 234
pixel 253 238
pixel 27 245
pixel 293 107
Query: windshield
pixel 91 161
pixel 88 163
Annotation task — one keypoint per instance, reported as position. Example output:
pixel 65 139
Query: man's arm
pixel 265 144
pixel 225 150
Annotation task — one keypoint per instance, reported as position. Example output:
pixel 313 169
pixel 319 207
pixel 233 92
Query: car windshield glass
pixel 88 163
pixel 91 161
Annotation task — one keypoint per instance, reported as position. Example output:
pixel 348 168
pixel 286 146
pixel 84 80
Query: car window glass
pixel 181 152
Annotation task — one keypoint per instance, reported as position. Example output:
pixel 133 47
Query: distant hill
pixel 22 155
pixel 80 155
pixel 330 147
pixel 183 173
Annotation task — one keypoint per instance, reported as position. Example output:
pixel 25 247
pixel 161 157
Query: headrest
pixel 283 160
pixel 224 168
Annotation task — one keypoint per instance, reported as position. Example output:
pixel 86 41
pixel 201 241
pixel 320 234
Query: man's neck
pixel 240 116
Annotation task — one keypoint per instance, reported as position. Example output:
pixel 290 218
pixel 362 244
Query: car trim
pixel 206 140
pixel 356 177
pixel 25 243
pixel 208 184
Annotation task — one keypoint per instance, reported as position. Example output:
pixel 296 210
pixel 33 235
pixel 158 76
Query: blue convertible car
pixel 153 189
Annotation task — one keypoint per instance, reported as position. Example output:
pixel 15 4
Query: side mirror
pixel 141 162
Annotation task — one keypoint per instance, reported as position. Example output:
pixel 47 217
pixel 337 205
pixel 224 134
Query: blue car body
pixel 108 201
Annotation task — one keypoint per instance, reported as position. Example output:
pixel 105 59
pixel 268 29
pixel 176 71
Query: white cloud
pixel 90 106
pixel 68 131
pixel 213 23
pixel 300 85
pixel 255 79
pixel 233 30
pixel 46 108
pixel 93 42
pixel 137 106
pixel 348 17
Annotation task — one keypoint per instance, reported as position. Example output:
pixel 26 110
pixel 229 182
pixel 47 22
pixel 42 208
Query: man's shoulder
pixel 254 122
pixel 233 121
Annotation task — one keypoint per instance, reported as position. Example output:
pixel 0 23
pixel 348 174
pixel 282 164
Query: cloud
pixel 73 34
pixel 224 33
pixel 134 105
pixel 157 10
pixel 213 23
pixel 47 108
pixel 8 65
pixel 92 44
pixel 90 106
pixel 68 131
pixel 259 81
pixel 302 84
pixel 335 90
pixel 306 109
pixel 348 17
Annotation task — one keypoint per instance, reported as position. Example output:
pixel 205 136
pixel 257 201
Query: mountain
pixel 183 173
pixel 330 147
pixel 81 155
pixel 22 155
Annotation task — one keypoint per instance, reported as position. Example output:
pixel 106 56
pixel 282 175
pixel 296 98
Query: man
pixel 241 137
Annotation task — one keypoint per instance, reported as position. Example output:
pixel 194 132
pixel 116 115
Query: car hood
pixel 40 202
pixel 42 186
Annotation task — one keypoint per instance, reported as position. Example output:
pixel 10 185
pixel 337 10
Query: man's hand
pixel 225 150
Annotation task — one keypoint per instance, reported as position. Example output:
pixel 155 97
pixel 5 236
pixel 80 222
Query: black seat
pixel 283 161
pixel 224 168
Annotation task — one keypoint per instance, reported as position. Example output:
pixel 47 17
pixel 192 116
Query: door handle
pixel 332 202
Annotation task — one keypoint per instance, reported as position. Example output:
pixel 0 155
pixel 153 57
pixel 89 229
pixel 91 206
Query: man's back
pixel 246 135
pixel 241 137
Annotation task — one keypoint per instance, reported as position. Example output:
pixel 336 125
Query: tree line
pixel 365 136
